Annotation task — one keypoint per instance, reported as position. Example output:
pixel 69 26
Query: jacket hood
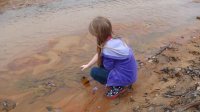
pixel 116 48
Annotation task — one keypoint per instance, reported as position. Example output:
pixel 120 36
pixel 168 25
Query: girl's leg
pixel 99 74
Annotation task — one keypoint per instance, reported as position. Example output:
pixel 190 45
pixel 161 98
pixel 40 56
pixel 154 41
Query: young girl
pixel 117 67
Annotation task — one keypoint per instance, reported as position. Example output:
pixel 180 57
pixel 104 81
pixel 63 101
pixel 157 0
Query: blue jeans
pixel 99 74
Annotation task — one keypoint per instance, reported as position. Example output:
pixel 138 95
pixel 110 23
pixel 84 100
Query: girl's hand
pixel 92 61
pixel 83 67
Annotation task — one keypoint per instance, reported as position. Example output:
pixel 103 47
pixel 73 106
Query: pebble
pixel 157 95
pixel 99 107
pixel 132 99
pixel 51 84
pixel 198 88
pixel 6 104
pixel 182 37
pixel 151 109
pixel 198 83
pixel 94 90
pixel 138 107
pixel 52 109
pixel 150 61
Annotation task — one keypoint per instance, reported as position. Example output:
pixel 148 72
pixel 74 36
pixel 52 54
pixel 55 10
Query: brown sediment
pixel 26 62
pixel 40 58
pixel 174 80
pixel 50 87
pixel 54 79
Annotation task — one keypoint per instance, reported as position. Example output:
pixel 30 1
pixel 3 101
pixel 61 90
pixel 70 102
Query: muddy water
pixel 43 45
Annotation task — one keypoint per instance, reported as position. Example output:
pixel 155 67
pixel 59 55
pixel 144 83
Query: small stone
pixel 150 61
pixel 145 94
pixel 164 79
pixel 49 108
pixel 6 104
pixel 94 90
pixel 131 99
pixel 151 109
pixel 167 109
pixel 157 95
pixel 198 17
pixel 178 69
pixel 140 62
pixel 52 109
pixel 99 107
pixel 153 57
pixel 198 88
pixel 194 37
pixel 147 100
pixel 138 107
pixel 51 84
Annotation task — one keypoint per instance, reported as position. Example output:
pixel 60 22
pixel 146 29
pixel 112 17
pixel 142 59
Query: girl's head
pixel 101 28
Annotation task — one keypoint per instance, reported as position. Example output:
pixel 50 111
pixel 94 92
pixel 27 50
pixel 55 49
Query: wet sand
pixel 42 48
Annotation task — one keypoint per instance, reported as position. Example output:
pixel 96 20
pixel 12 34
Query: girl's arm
pixel 92 61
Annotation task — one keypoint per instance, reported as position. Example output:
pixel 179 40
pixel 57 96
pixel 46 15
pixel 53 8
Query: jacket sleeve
pixel 108 63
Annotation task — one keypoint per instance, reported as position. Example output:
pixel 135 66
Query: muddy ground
pixel 169 81
pixel 174 79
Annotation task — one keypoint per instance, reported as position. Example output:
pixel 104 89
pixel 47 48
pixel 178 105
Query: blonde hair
pixel 101 28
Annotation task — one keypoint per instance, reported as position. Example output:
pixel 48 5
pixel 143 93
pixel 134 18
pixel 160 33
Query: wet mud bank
pixel 171 78
pixel 176 84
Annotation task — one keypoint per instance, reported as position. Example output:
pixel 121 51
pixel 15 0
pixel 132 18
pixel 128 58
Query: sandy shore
pixel 41 53
pixel 167 81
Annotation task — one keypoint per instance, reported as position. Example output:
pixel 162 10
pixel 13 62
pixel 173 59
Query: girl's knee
pixel 94 71
pixel 98 74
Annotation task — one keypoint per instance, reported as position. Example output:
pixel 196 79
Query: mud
pixel 179 81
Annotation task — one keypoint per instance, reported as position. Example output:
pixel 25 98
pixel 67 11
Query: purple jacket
pixel 119 59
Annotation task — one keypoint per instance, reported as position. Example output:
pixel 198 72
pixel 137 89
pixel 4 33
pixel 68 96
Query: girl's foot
pixel 115 91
